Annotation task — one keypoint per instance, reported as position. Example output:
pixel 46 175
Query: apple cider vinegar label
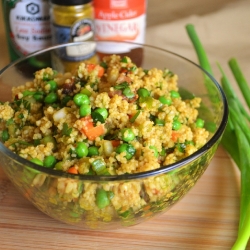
pixel 119 20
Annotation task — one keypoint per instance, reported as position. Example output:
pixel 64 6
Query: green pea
pixel 176 125
pixel 99 115
pixel 38 96
pixel 121 148
pixel 165 100
pixel 5 135
pixel 128 93
pixel 53 85
pixel 111 195
pixel 85 92
pixel 80 99
pixel 66 99
pixel 174 94
pixel 127 134
pixel 156 154
pixel 93 150
pixel 159 122
pixel 142 92
pixel 51 98
pixel 131 150
pixel 199 123
pixel 37 161
pixel 128 148
pixel 48 138
pixel 102 199
pixel 85 109
pixel 81 149
pixel 103 112
pixel 49 161
pixel 59 165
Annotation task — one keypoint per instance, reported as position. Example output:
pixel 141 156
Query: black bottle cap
pixel 70 2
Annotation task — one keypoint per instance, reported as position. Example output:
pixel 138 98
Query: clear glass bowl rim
pixel 124 177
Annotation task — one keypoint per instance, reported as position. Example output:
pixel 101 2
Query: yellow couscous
pixel 113 118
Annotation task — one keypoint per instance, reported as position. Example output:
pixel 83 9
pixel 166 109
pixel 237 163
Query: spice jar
pixel 27 25
pixel 72 21
pixel 120 20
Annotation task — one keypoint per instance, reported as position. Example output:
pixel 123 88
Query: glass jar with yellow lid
pixel 72 21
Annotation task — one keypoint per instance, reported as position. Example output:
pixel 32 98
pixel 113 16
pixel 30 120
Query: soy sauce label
pixel 29 23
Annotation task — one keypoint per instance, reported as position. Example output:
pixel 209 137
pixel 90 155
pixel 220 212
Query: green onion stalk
pixel 236 137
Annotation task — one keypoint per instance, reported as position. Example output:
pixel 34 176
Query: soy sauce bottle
pixel 27 26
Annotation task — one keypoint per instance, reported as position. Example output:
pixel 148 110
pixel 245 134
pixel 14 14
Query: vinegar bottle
pixel 27 25
pixel 120 20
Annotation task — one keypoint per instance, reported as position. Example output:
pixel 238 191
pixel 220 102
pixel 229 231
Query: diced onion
pixel 60 114
pixel 108 148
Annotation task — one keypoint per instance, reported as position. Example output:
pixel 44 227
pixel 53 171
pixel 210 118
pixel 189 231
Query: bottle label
pixel 119 20
pixel 81 30
pixel 30 26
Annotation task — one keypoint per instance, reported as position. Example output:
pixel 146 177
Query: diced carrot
pixel 72 170
pixel 89 130
pixel 87 122
pixel 175 135
pixel 101 71
pixel 90 67
pixel 115 143
pixel 95 132
pixel 146 207
pixel 155 191
pixel 123 70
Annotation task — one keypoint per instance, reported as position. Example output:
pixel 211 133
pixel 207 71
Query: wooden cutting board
pixel 206 218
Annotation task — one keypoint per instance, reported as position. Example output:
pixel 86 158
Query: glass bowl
pixel 138 196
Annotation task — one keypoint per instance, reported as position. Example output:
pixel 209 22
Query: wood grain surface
pixel 206 218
